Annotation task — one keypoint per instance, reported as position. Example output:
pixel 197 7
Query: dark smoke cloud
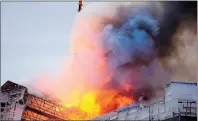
pixel 138 44
pixel 175 14
pixel 179 49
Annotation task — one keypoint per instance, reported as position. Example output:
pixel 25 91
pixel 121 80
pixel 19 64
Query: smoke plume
pixel 134 47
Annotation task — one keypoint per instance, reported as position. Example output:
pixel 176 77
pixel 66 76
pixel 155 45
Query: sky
pixel 34 38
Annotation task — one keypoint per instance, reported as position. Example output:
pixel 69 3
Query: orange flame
pixel 95 103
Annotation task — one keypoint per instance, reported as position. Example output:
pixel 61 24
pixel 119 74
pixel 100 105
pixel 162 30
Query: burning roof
pixel 122 53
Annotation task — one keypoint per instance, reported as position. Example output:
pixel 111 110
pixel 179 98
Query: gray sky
pixel 34 38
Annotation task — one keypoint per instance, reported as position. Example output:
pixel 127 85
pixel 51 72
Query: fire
pixel 88 103
pixel 97 102
pixel 84 86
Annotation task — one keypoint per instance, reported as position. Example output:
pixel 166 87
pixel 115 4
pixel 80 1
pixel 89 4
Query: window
pixel 3 104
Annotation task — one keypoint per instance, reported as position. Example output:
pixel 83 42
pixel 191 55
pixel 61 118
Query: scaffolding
pixel 38 108
pixel 188 108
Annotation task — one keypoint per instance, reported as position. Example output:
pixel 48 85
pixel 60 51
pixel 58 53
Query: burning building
pixel 18 104
pixel 124 56
pixel 180 102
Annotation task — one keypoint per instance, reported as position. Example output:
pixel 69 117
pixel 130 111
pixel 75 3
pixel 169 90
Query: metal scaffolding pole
pixel 40 108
